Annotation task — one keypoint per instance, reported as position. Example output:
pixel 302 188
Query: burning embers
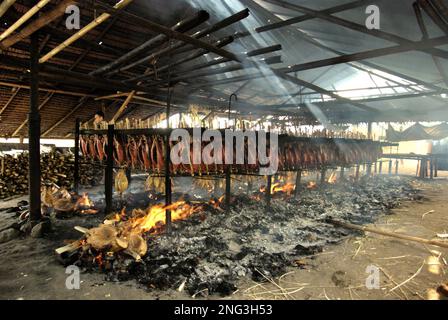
pixel 125 234
pixel 280 189
pixel 64 203
pixel 209 256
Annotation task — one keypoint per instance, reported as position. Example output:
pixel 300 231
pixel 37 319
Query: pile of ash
pixel 208 256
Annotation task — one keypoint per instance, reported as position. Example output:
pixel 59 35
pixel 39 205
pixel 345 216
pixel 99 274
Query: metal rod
pixel 228 187
pixel 298 182
pixel 396 167
pixel 381 167
pixel 76 168
pixel 268 192
pixel 219 44
pixel 109 170
pixel 390 167
pixel 34 132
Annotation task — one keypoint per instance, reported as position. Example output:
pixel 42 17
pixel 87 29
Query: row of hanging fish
pixel 147 153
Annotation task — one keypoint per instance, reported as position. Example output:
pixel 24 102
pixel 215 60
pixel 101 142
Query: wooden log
pixel 387 233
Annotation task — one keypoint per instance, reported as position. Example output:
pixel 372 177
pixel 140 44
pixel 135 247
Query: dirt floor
pixel 29 268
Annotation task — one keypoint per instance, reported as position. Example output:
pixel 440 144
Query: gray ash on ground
pixel 208 257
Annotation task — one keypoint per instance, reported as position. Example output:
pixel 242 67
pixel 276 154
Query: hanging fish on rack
pixel 121 182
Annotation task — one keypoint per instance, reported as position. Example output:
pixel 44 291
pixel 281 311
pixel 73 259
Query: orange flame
pixel 332 179
pixel 84 205
pixel 216 203
pixel 312 185
pixel 152 219
pixel 287 188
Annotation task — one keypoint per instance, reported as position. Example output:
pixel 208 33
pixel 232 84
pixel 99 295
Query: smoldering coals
pixel 210 256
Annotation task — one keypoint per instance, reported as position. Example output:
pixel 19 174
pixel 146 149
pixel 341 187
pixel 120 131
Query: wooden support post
pixel 109 170
pixel 436 168
pixel 375 168
pixel 431 165
pixel 323 174
pixel 381 167
pixel 357 172
pixel 417 173
pixel 390 166
pixel 422 168
pixel 228 187
pixel 129 175
pixel 168 186
pixel 369 170
pixel 397 163
pixel 342 173
pixel 298 182
pixel 76 168
pixel 34 132
pixel 268 192
pixel 369 130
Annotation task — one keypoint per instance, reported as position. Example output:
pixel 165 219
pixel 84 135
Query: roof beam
pixel 422 26
pixel 9 101
pixel 355 26
pixel 123 107
pixel 182 26
pixel 64 92
pixel 37 24
pixel 4 6
pixel 171 33
pixel 72 111
pixel 28 15
pixel 416 45
pixel 46 100
pixel 92 25
pixel 306 17
pixel 198 35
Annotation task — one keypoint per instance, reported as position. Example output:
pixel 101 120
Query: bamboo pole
pixel 24 18
pixel 5 6
pixel 123 107
pixel 37 24
pixel 92 25
pixel 387 234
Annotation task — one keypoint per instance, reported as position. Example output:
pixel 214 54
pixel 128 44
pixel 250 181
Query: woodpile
pixel 57 169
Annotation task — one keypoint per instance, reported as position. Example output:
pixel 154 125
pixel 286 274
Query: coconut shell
pixel 137 245
pixel 103 237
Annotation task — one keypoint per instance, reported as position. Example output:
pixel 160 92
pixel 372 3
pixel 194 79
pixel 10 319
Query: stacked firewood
pixel 56 168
